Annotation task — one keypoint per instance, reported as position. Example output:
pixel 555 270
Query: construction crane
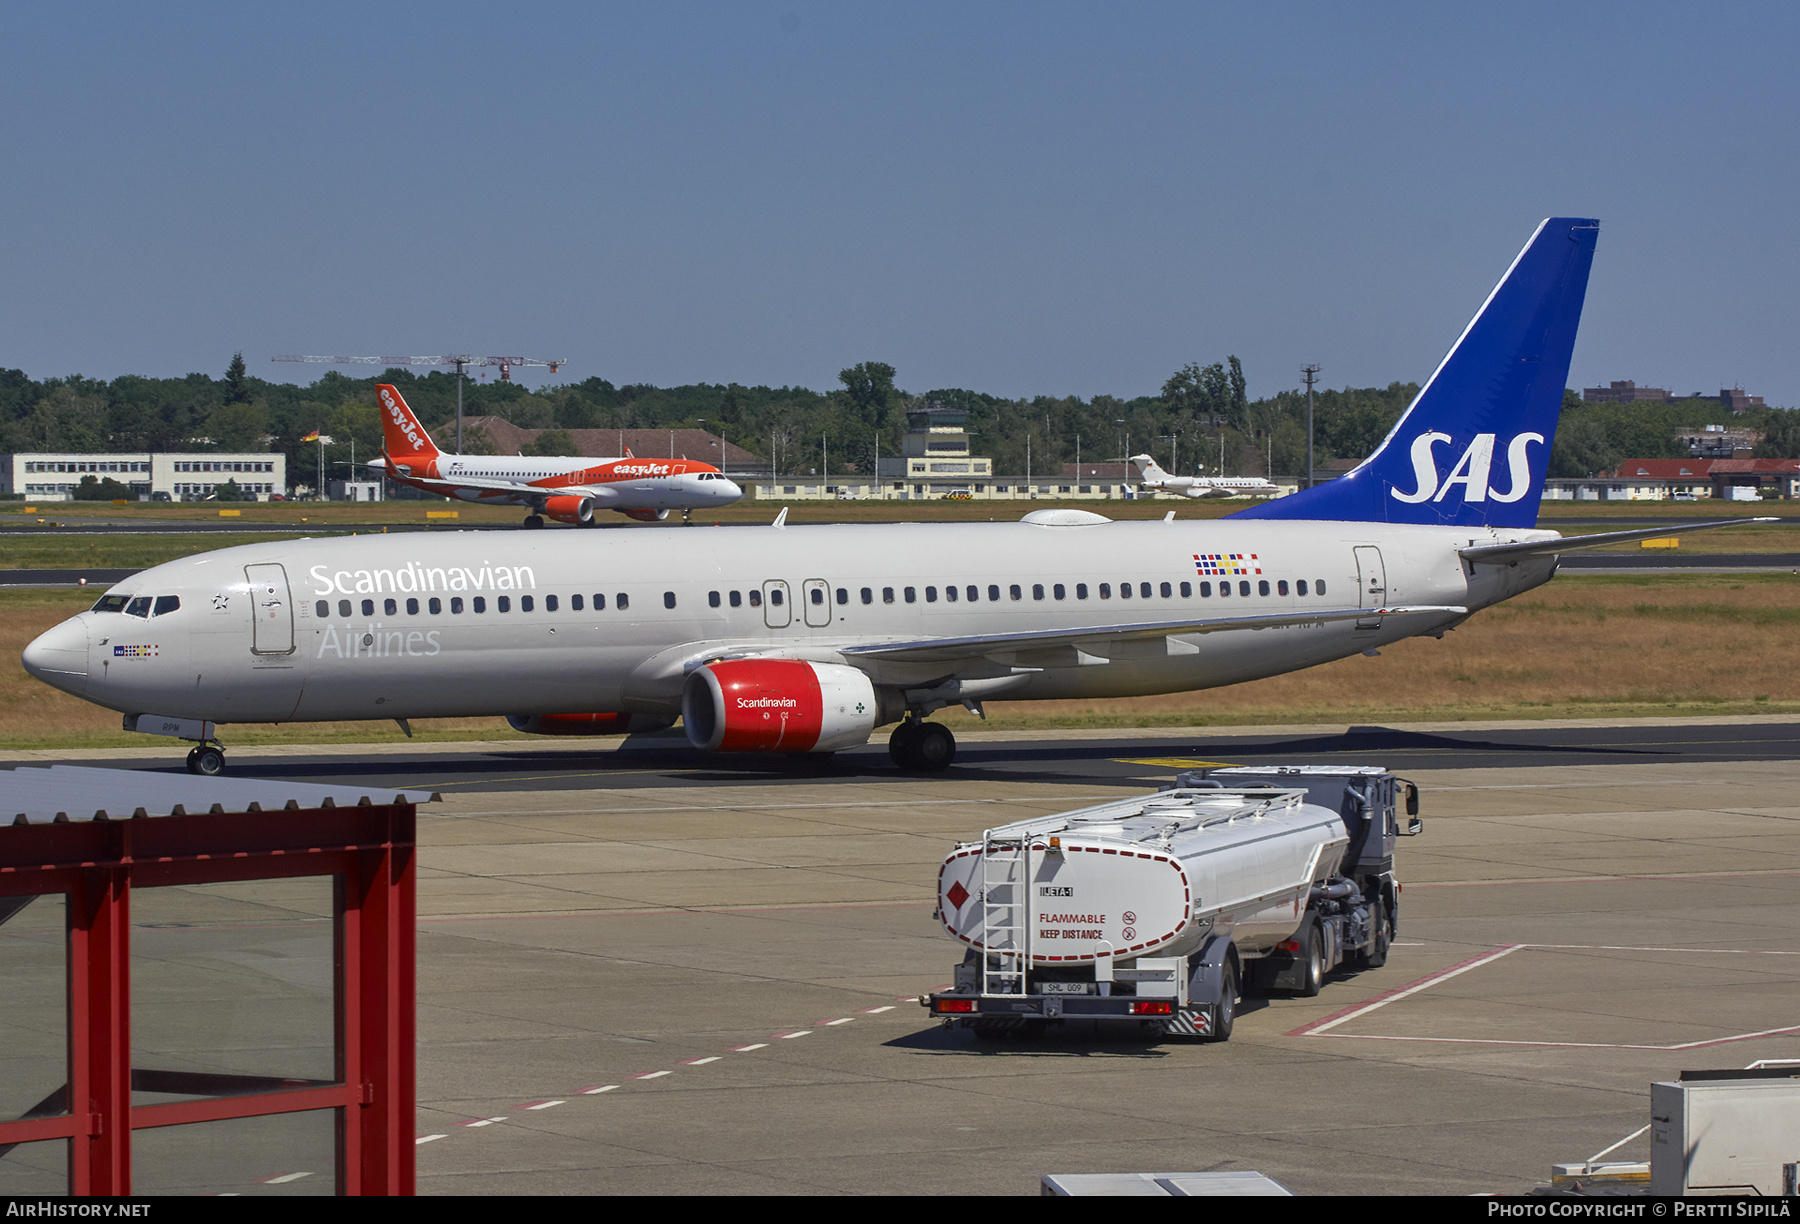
pixel 459 360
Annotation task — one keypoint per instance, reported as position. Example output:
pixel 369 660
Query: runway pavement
pixel 1116 756
pixel 647 972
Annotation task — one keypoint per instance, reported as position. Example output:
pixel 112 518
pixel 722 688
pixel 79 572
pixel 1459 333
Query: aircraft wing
pixel 490 485
pixel 1101 640
pixel 1506 552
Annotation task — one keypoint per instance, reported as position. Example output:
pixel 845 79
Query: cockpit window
pixel 166 604
pixel 111 603
pixel 139 606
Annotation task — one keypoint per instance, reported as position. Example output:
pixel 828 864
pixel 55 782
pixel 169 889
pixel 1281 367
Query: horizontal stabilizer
pixel 1504 552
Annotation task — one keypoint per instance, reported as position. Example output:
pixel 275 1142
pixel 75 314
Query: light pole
pixel 1312 373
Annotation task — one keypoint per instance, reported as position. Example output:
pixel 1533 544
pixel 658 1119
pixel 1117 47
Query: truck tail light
pixel 1152 1007
pixel 1288 945
pixel 953 1005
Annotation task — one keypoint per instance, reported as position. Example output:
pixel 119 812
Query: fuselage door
pixel 1371 576
pixel 816 593
pixel 776 612
pixel 274 612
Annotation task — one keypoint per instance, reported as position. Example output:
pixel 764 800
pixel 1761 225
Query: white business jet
pixel 1155 480
pixel 569 490
pixel 807 639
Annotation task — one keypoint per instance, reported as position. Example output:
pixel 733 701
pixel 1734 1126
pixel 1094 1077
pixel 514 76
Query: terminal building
pixel 52 477
pixel 935 463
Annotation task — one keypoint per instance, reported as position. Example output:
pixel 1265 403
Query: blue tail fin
pixel 1473 448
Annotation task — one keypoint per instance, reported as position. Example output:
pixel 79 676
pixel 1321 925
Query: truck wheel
pixel 1226 1014
pixel 1379 938
pixel 1312 961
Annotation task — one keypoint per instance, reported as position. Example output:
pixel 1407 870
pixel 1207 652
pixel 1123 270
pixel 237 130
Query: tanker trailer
pixel 1157 910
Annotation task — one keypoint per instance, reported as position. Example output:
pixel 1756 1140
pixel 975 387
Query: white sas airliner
pixel 569 490
pixel 806 639
pixel 1156 480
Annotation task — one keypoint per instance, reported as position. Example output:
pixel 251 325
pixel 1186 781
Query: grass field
pixel 1583 646
pixel 118 539
pixel 410 513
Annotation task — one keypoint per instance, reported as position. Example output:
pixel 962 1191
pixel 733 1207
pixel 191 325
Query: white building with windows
pixel 51 477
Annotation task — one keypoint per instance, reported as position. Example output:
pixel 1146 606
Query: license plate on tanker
pixel 1066 988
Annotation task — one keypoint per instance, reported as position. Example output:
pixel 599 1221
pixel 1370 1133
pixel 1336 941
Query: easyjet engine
pixel 570 508
pixel 588 724
pixel 646 516
pixel 779 705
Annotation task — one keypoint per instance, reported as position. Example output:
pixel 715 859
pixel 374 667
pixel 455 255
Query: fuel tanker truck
pixel 1159 911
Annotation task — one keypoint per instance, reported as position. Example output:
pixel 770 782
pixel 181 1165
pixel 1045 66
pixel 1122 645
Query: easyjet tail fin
pixel 1473 448
pixel 406 439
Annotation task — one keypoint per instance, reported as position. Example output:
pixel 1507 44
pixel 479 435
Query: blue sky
pixel 1020 199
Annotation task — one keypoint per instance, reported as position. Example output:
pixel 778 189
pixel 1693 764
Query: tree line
pixel 1202 421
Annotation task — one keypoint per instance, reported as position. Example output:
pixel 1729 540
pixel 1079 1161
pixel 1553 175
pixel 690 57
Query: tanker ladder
pixel 1005 913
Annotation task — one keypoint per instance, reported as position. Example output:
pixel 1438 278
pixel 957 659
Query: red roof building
pixel 510 439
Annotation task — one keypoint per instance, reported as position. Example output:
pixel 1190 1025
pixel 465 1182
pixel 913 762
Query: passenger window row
pixel 147 606
pixel 434 606
pixel 1015 592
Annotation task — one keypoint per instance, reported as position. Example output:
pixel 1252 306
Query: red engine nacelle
pixel 778 705
pixel 588 724
pixel 570 508
pixel 646 516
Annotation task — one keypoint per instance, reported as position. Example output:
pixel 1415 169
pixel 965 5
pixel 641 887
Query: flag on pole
pixel 311 437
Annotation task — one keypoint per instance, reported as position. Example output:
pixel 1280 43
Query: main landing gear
pixel 534 520
pixel 208 760
pixel 922 747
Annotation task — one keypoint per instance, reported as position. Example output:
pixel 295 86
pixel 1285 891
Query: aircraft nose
pixel 59 656
pixel 729 491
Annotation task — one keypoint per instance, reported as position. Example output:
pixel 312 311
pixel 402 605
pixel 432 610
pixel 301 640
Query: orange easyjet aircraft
pixel 569 490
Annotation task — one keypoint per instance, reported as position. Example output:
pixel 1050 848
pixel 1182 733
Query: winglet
pixel 780 523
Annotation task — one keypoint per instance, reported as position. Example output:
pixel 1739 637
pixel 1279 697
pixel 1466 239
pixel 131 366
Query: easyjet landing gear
pixel 534 520
pixel 208 760
pixel 922 747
